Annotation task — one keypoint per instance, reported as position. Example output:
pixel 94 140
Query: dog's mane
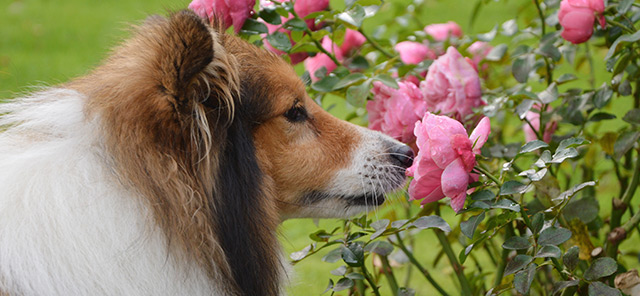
pixel 180 134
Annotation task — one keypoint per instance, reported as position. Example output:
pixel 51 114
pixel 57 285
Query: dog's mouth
pixel 367 199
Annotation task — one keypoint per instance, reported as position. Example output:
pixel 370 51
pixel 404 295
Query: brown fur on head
pixel 222 142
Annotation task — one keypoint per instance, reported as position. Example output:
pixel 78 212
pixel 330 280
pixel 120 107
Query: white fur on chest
pixel 67 226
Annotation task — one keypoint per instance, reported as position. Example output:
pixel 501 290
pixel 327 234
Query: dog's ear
pixel 193 65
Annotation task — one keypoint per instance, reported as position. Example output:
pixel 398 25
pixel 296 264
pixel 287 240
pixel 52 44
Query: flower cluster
pixel 352 40
pixel 577 18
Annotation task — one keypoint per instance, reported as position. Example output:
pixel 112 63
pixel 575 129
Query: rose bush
pixel 544 204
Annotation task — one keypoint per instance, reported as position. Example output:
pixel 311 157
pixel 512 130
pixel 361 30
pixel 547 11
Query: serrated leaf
pixel 340 271
pixel 562 155
pixel 270 16
pixel 570 258
pixel 532 146
pixel 516 243
pixel 549 251
pixel 253 27
pixel 380 247
pixel 559 286
pixel 632 116
pixel 600 267
pixel 554 236
pixel 280 41
pixel 513 187
pixel 624 38
pixel 523 279
pixel 343 284
pixel 537 221
pixel 427 222
pixel 349 79
pixel 517 263
pixel 469 227
pixel 497 53
pixel 625 142
pixel 600 289
pixel 357 94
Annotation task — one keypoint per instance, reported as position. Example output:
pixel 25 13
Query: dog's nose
pixel 403 154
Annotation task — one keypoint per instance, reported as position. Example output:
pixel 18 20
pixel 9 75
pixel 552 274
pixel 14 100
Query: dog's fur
pixel 167 169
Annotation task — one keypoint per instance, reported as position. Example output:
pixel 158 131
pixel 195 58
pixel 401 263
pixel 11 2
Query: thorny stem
pixel 388 273
pixel 369 279
pixel 541 14
pixel 592 75
pixel 375 44
pixel 457 268
pixel 617 24
pixel 617 212
pixel 503 258
pixel 415 262
pixel 489 175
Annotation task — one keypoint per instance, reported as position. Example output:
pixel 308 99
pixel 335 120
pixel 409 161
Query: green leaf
pixel 380 247
pixel 353 255
pixel 586 209
pixel 571 258
pixel 354 16
pixel 333 256
pixel 623 6
pixel 532 146
pixel 534 175
pixel 624 38
pixel 512 187
pixel 550 94
pixel 516 243
pixel 380 226
pixel 329 287
pixel 487 37
pixel 517 263
pixel 599 268
pixel 632 116
pixel 406 292
pixel 349 79
pixel 295 24
pixel 569 193
pixel 537 222
pixel 354 276
pixel 549 251
pixel 357 94
pixel 572 142
pixel 625 142
pixel 270 16
pixel 399 223
pixel 326 84
pixel 340 271
pixel 559 286
pixel 567 77
pixel 601 116
pixel 523 279
pixel 483 195
pixel 602 96
pixel 280 41
pixel 509 28
pixel 600 289
pixel 432 222
pixel 297 256
pixel 320 236
pixel 343 284
pixel 497 53
pixel 387 80
pixel 562 155
pixel 521 68
pixel 554 236
pixel 469 227
pixel 506 204
pixel 253 27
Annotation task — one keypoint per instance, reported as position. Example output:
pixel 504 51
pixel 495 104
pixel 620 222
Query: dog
pixel 167 169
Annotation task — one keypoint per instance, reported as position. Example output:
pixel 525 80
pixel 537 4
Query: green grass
pixel 48 42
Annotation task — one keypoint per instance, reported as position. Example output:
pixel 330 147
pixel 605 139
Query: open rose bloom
pixel 452 85
pixel 232 12
pixel 445 159
pixel 577 18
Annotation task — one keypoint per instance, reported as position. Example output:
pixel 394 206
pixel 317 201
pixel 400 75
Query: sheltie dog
pixel 166 170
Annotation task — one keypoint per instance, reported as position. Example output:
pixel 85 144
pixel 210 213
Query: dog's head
pixel 223 141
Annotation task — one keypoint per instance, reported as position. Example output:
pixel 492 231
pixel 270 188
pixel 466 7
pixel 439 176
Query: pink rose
pixel 479 50
pixel 395 111
pixel 452 85
pixel 231 12
pixel 577 17
pixel 534 118
pixel 412 53
pixel 313 64
pixel 306 7
pixel 352 40
pixel 445 159
pixel 442 32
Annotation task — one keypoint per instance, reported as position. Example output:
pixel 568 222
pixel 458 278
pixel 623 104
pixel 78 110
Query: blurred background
pixel 45 43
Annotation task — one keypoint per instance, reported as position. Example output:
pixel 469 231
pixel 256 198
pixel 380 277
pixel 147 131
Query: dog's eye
pixel 296 114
